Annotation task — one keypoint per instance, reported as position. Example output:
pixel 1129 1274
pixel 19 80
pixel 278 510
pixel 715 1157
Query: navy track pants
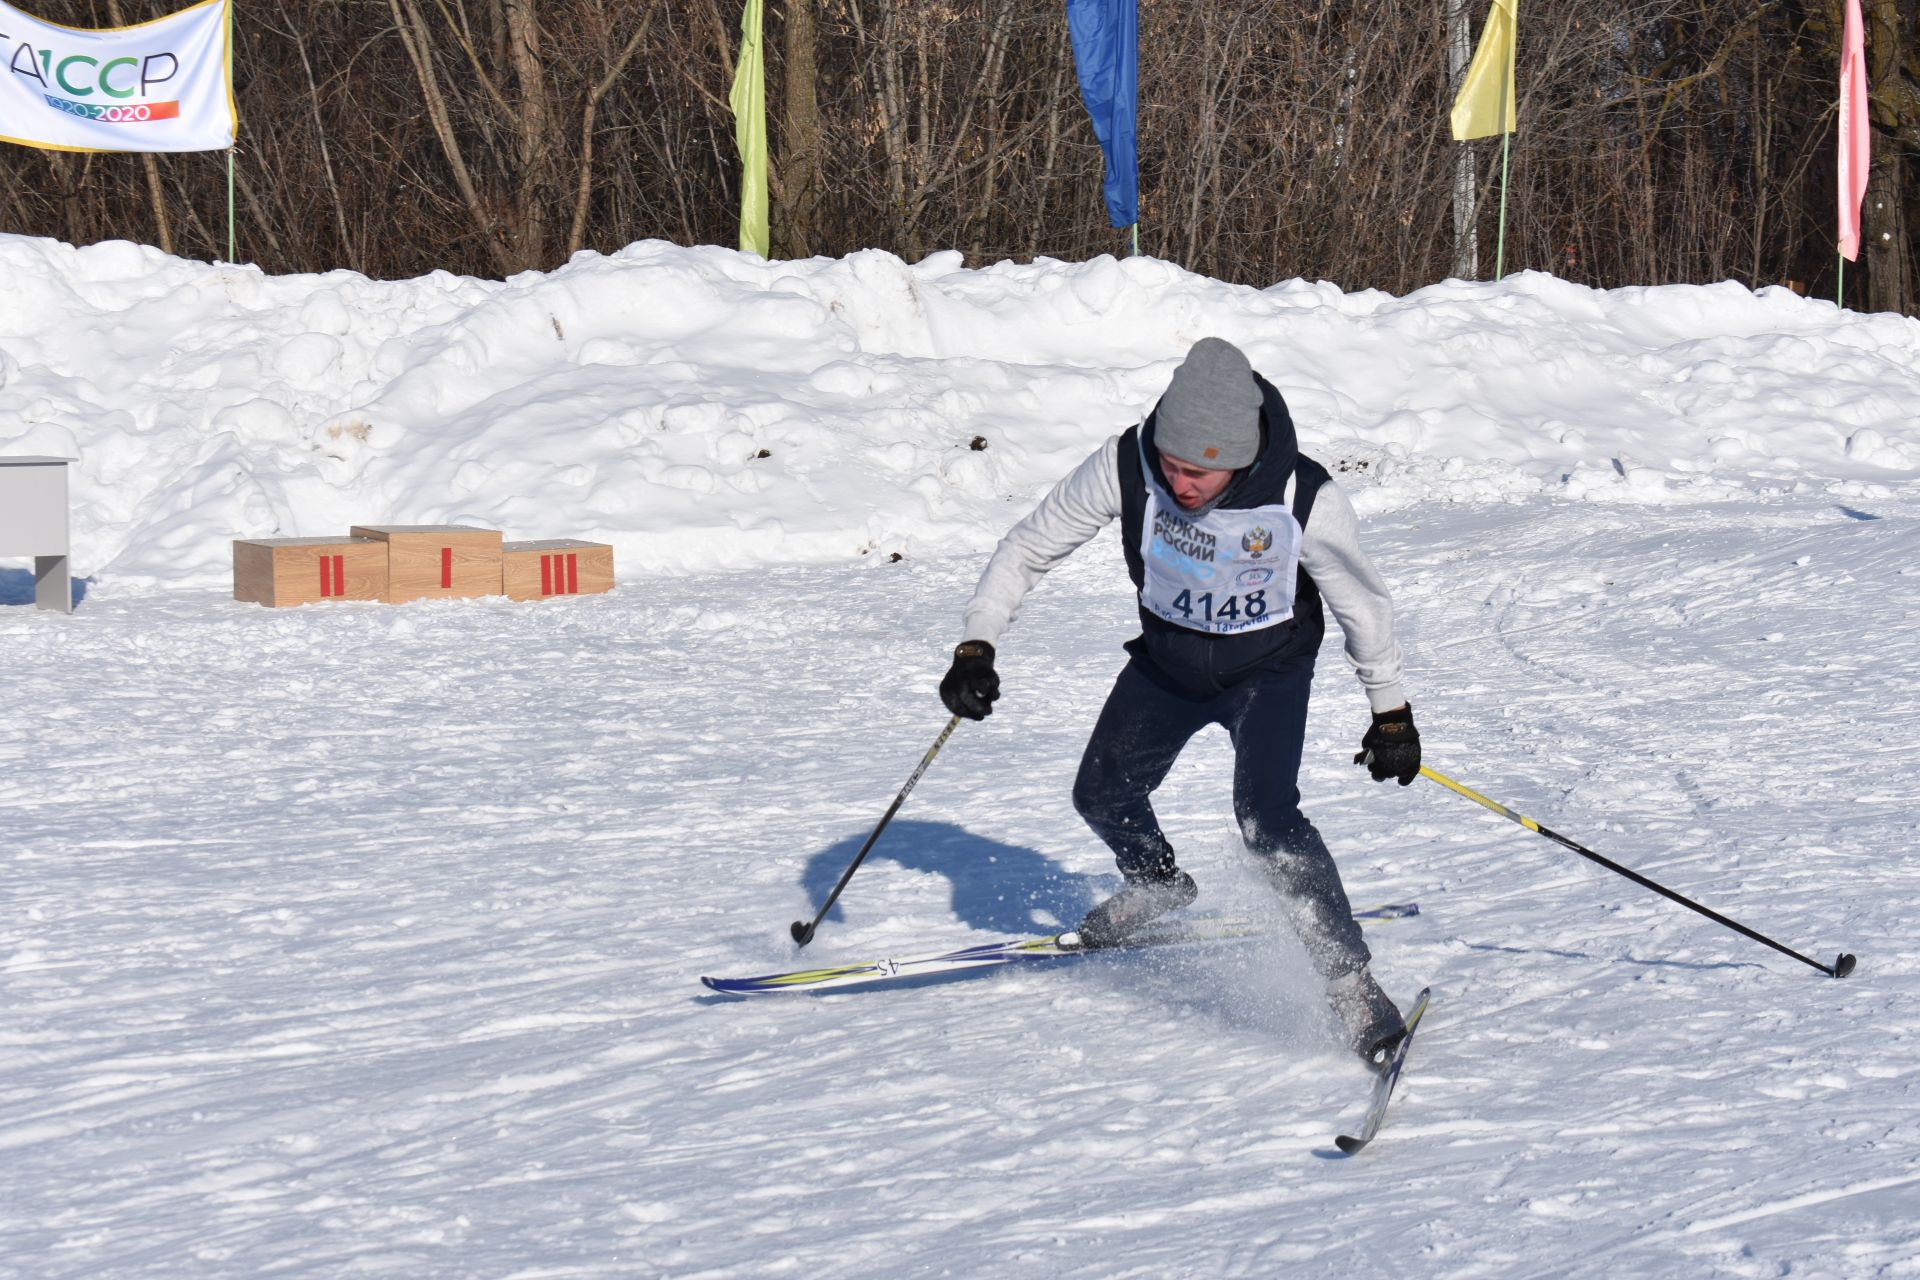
pixel 1142 730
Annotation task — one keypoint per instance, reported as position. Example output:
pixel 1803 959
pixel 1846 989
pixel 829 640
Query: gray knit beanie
pixel 1210 415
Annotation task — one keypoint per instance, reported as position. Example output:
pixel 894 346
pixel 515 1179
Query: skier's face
pixel 1193 486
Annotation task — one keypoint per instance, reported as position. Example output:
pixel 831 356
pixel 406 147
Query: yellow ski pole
pixel 1838 969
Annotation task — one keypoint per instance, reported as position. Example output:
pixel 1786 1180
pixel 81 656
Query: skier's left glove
pixel 971 685
pixel 1391 748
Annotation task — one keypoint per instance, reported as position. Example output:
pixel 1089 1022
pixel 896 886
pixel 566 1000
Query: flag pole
pixel 1506 153
pixel 232 239
pixel 1856 147
pixel 1500 251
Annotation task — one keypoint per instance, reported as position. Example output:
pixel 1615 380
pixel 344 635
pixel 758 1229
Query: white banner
pixel 164 85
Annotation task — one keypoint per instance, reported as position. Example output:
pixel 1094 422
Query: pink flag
pixel 1853 132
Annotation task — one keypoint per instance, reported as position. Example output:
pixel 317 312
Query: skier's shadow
pixel 998 887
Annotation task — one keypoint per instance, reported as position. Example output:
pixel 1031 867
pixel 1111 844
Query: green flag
pixel 749 102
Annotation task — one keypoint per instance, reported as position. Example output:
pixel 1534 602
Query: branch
pixel 577 234
pixel 414 41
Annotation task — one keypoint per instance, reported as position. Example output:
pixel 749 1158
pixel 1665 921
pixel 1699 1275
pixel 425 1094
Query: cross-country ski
pixel 1177 932
pixel 1387 1079
pixel 985 955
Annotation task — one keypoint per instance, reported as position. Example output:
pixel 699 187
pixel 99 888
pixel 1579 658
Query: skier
pixel 1233 539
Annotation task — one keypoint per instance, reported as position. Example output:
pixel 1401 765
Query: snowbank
pixel 701 408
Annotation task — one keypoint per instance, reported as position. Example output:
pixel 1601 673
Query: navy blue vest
pixel 1196 664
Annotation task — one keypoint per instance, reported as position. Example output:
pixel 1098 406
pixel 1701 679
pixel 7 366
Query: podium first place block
pixel 561 567
pixel 287 571
pixel 437 561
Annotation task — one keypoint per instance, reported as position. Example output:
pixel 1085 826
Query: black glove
pixel 971 685
pixel 1391 748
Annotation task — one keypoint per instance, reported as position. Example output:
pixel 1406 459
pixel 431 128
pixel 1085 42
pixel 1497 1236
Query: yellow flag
pixel 749 102
pixel 1485 104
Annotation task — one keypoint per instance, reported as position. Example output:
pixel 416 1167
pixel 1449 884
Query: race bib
pixel 1222 573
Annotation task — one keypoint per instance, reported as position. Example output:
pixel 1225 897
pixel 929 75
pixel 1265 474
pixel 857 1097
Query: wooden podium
pixel 287 571
pixel 437 561
pixel 560 567
pixel 396 563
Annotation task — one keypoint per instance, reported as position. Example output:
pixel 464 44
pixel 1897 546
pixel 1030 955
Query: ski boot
pixel 1144 898
pixel 1372 1024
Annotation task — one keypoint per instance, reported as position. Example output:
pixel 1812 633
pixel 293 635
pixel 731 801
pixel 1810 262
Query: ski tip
pixel 1348 1145
pixel 1843 966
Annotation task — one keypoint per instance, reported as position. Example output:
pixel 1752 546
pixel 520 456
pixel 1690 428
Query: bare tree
pixel 1658 140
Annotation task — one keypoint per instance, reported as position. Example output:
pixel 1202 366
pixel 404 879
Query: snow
pixel 363 940
pixel 628 398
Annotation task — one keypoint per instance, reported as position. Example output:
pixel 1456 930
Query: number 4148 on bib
pixel 1230 609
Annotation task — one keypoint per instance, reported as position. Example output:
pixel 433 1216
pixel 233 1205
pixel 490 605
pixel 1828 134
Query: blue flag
pixel 1106 55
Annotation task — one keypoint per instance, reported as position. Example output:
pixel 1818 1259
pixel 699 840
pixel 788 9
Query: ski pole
pixel 1838 969
pixel 803 933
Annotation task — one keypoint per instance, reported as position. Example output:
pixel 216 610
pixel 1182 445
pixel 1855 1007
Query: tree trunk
pixel 1887 252
pixel 1893 80
pixel 534 133
pixel 801 148
pixel 1466 224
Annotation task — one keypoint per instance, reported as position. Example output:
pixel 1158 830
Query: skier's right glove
pixel 971 686
pixel 1391 748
